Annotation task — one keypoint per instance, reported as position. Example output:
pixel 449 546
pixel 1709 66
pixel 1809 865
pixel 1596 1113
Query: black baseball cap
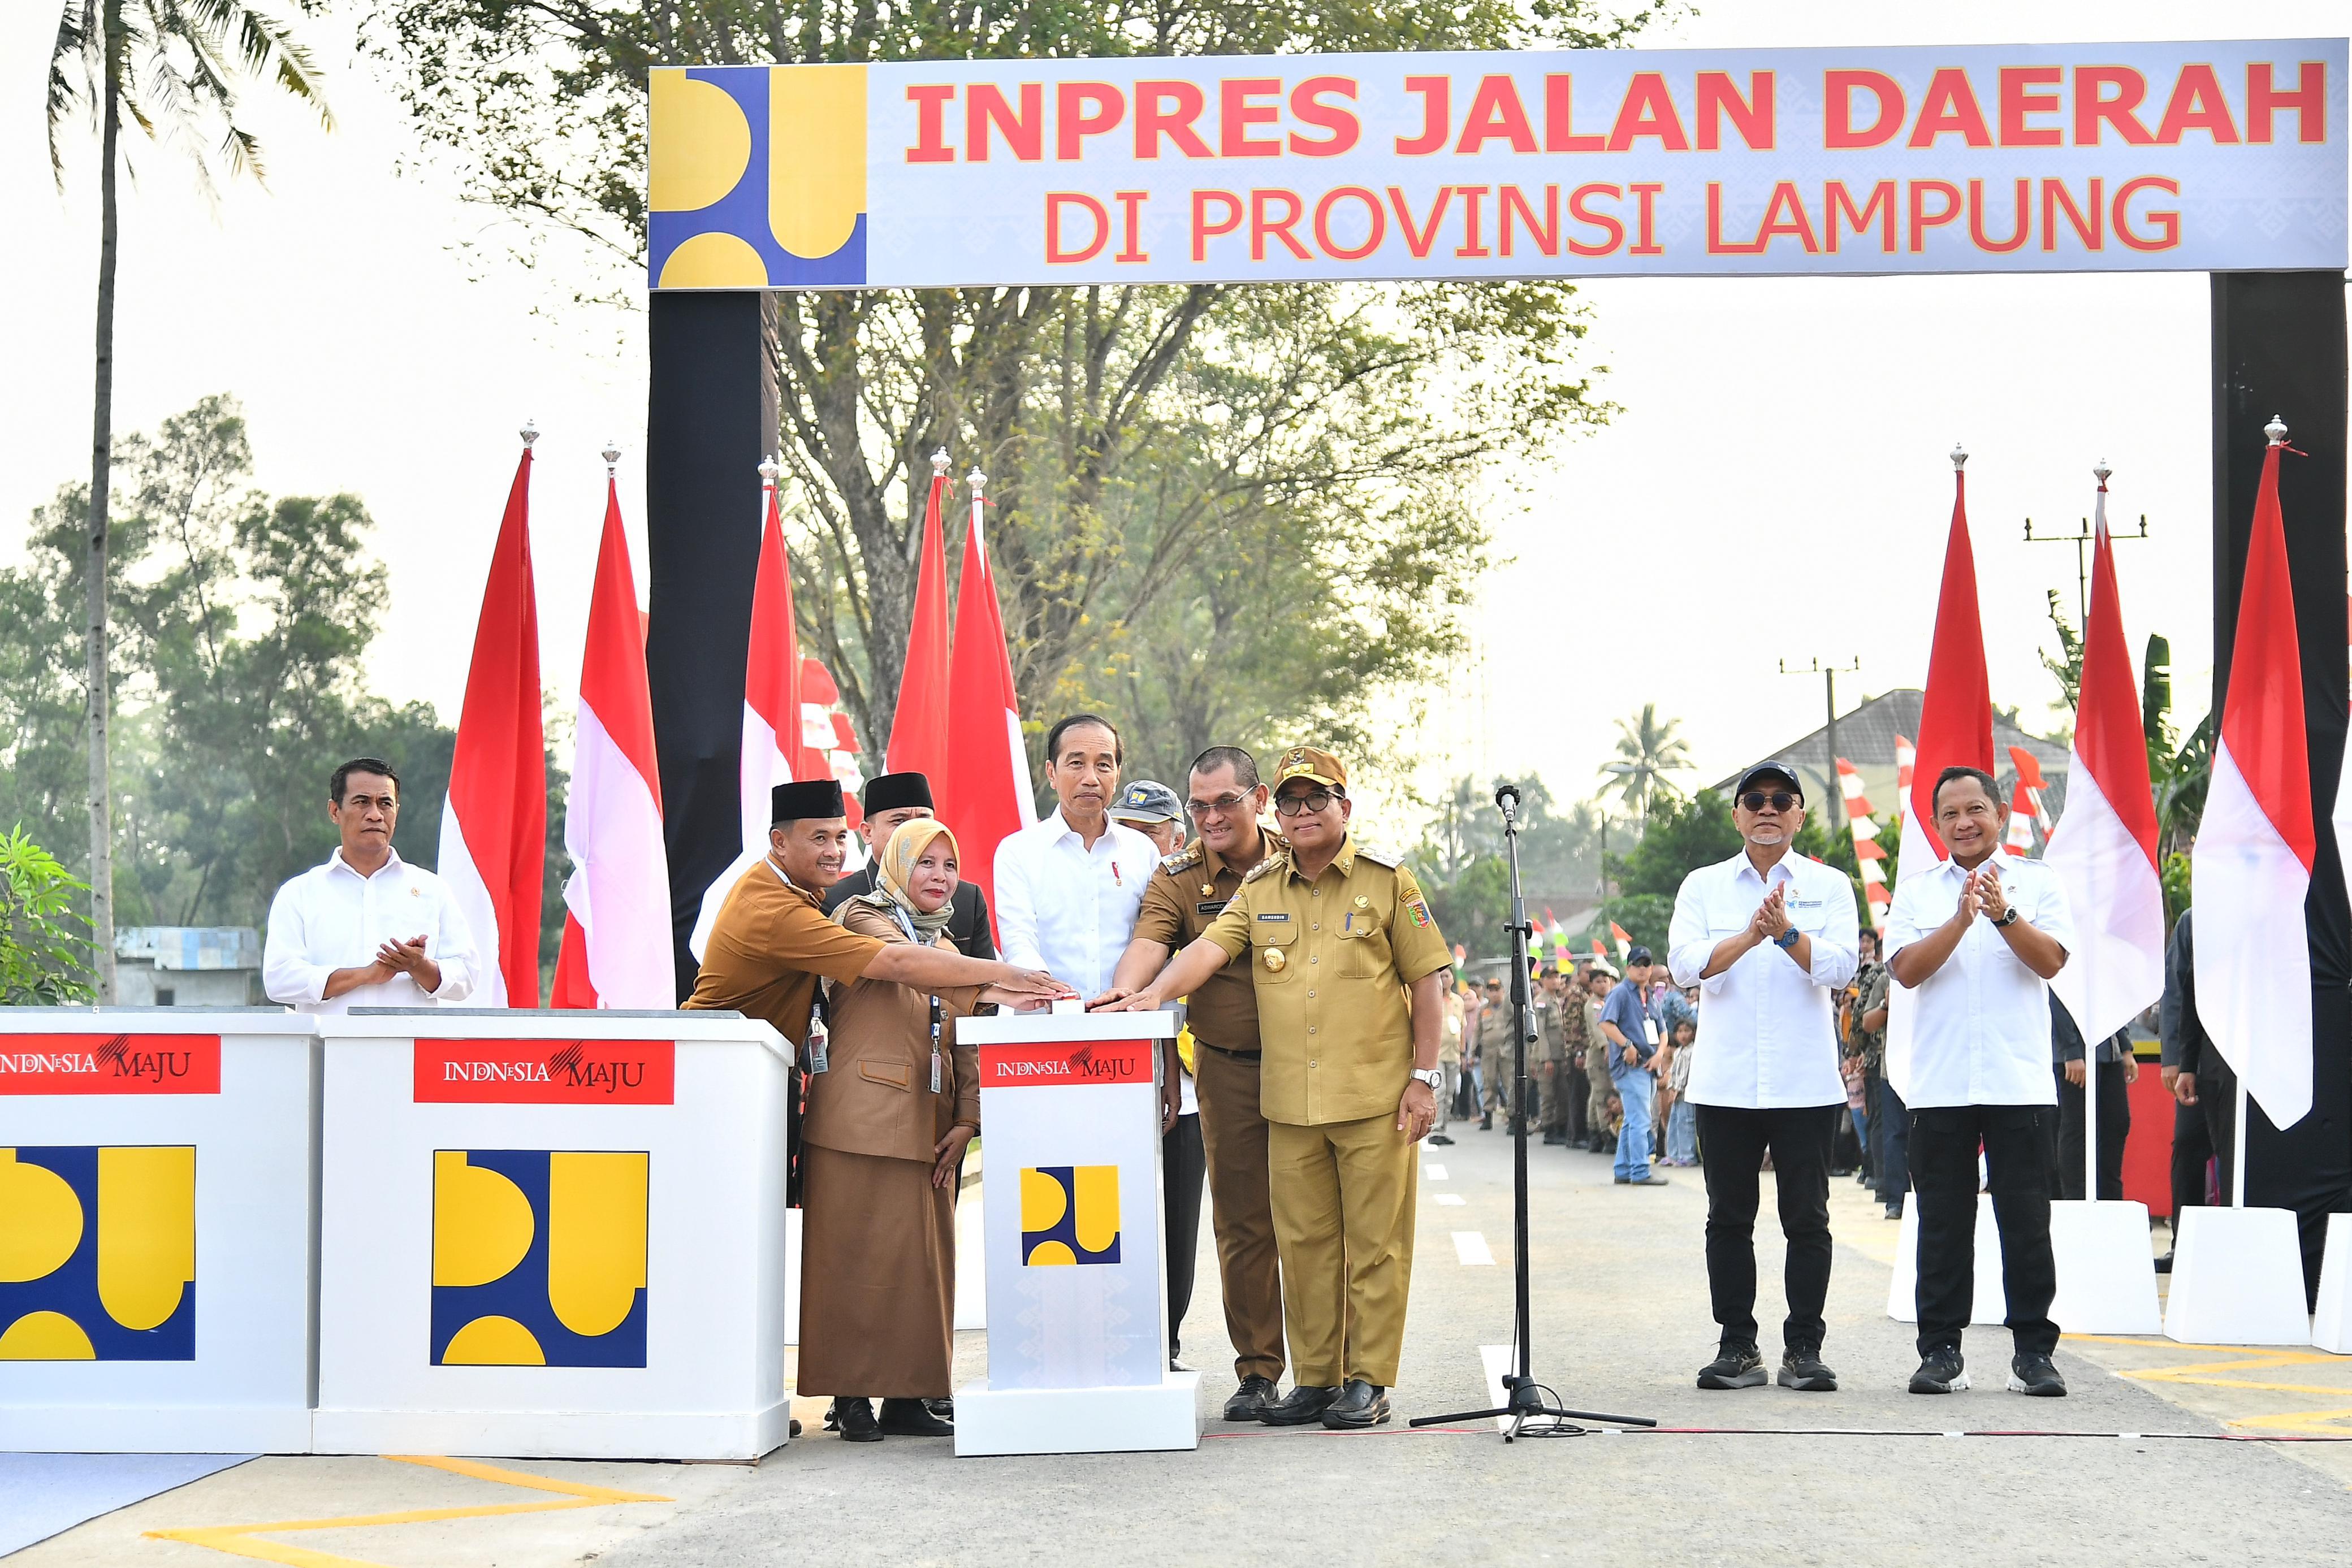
pixel 1768 770
pixel 1638 954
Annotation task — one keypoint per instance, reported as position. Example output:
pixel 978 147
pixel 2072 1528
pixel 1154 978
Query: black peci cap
pixel 896 792
pixel 815 797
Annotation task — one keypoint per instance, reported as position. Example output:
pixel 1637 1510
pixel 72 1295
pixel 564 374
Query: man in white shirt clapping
pixel 366 929
pixel 1769 937
pixel 1972 942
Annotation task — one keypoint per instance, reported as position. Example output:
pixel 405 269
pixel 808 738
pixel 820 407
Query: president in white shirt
pixel 1768 936
pixel 1972 942
pixel 366 929
pixel 1067 888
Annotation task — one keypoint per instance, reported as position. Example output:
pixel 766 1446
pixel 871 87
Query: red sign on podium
pixel 110 1064
pixel 1038 1063
pixel 544 1071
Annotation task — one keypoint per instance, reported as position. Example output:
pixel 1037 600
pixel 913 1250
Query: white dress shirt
pixel 1066 909
pixel 331 917
pixel 1767 1030
pixel 1977 1031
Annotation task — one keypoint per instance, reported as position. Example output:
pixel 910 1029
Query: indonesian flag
pixel 2031 786
pixel 1870 855
pixel 919 731
pixel 1624 942
pixel 2104 853
pixel 987 797
pixel 617 939
pixel 2020 838
pixel 2252 866
pixel 1599 951
pixel 494 828
pixel 1906 756
pixel 1956 711
pixel 771 709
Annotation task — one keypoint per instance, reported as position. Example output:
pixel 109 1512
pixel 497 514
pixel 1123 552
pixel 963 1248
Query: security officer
pixel 1339 938
pixel 888 800
pixel 1552 1054
pixel 1575 1086
pixel 1186 893
pixel 1496 1020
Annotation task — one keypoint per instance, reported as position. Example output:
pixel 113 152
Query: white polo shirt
pixel 1766 1029
pixel 1977 1030
pixel 1066 909
pixel 331 917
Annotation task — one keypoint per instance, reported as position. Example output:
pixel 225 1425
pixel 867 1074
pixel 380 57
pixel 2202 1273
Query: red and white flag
pixel 617 941
pixel 772 752
pixel 2018 841
pixel 2103 851
pixel 1869 854
pixel 918 730
pixel 2252 865
pixel 1956 710
pixel 1849 779
pixel 988 797
pixel 494 828
pixel 1624 942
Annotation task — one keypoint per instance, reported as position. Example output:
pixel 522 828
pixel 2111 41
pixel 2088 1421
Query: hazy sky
pixel 1775 486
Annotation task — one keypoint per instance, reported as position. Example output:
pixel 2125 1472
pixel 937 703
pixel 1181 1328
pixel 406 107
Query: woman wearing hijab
pixel 888 1119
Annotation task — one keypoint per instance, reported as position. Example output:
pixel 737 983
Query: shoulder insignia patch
pixel 1264 867
pixel 1188 856
pixel 1380 855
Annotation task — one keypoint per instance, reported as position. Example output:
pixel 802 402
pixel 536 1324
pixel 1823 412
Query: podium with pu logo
pixel 156 1181
pixel 1077 1293
pixel 552 1234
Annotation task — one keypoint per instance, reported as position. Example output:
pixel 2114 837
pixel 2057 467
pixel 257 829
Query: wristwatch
pixel 1787 939
pixel 2007 917
pixel 1431 1076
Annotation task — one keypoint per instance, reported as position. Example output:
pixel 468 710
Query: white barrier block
pixel 2332 1328
pixel 2107 1273
pixel 1991 1304
pixel 2237 1279
pixel 972 1260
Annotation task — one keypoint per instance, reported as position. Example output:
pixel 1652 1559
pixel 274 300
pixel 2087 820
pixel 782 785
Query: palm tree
pixel 1647 750
pixel 170 67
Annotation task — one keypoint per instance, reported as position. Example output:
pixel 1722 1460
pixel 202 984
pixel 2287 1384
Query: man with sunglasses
pixel 1769 938
pixel 1349 971
pixel 1186 893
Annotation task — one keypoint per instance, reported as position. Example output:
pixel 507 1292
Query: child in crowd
pixel 1682 1118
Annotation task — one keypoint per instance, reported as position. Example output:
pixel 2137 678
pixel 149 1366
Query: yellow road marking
pixel 244 1539
pixel 2245 1359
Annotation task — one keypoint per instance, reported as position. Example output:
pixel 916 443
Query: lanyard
pixel 908 926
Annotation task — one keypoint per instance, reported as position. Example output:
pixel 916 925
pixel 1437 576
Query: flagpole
pixel 2238 1151
pixel 2090 1051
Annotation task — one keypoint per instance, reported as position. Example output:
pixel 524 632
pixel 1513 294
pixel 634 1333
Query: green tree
pixel 170 67
pixel 44 952
pixel 1461 867
pixel 1233 512
pixel 1647 750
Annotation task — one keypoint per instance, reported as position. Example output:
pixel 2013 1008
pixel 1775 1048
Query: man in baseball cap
pixel 1151 809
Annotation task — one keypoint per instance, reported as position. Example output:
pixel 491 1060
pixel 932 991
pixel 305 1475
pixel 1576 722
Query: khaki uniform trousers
pixel 1596 1057
pixel 1551 1084
pixel 1241 1208
pixel 1343 1214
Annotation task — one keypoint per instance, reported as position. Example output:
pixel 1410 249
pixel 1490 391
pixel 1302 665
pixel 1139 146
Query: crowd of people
pixel 1326 1030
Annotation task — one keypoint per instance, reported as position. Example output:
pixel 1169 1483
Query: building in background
pixel 188 967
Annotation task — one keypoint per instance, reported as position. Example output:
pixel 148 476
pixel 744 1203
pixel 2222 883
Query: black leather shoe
pixel 855 1419
pixel 1360 1405
pixel 1440 1139
pixel 1486 1123
pixel 1250 1400
pixel 2164 1264
pixel 908 1418
pixel 1301 1406
pixel 942 1409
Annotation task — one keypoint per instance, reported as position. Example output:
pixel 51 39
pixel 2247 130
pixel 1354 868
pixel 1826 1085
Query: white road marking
pixel 1451 1199
pixel 1496 1359
pixel 1433 1173
pixel 1471 1248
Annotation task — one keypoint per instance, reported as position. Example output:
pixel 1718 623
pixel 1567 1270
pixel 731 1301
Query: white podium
pixel 2331 1326
pixel 156 1171
pixel 1077 1283
pixel 2237 1279
pixel 552 1234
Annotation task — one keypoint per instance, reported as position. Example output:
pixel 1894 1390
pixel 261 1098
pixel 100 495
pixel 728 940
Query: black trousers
pixel 2192 1151
pixel 1183 1166
pixel 1890 1137
pixel 1579 1093
pixel 1732 1144
pixel 2114 1125
pixel 2016 1141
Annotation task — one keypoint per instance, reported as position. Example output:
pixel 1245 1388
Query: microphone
pixel 1507 796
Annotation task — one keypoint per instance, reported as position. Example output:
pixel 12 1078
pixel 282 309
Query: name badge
pixel 1282 915
pixel 1216 908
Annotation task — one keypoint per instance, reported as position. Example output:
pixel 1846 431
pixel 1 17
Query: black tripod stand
pixel 1523 1395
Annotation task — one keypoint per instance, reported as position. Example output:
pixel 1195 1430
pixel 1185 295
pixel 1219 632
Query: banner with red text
pixel 2218 156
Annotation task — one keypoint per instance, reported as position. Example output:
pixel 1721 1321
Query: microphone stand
pixel 1524 1397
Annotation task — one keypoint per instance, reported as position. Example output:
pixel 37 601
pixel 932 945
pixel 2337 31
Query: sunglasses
pixel 1779 799
pixel 1299 805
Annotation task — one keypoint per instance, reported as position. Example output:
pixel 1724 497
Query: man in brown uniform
pixel 1188 891
pixel 773 942
pixel 1347 1081
pixel 1496 1019
pixel 1549 1003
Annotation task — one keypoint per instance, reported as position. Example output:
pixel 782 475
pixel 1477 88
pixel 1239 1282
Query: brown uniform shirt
pixel 1185 896
pixel 876 1095
pixel 769 947
pixel 1331 960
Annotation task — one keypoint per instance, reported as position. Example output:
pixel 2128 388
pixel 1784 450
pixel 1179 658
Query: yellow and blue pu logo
pixel 539 1258
pixel 98 1254
pixel 1069 1214
pixel 757 176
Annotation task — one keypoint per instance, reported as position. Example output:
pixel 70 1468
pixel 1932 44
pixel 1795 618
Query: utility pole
pixel 1829 674
pixel 2082 539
